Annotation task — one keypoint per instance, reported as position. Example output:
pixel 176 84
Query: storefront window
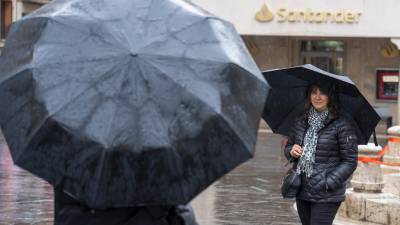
pixel 325 54
pixel 6 17
pixel 387 84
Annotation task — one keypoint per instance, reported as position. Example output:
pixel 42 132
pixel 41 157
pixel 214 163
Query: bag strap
pixel 375 141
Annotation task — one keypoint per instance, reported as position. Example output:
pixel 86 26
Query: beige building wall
pixel 25 8
pixel 362 57
pixel 270 52
pixel 366 58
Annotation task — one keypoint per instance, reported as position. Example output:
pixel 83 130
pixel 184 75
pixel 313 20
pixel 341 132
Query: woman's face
pixel 319 100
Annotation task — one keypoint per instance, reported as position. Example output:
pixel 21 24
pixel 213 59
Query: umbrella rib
pixel 192 94
pixel 183 58
pixel 173 33
pixel 148 12
pixel 62 81
pixel 65 105
pixel 174 81
pixel 85 33
pixel 192 59
pixel 165 127
pixel 100 170
pixel 80 61
pixel 101 79
pixel 193 24
pixel 114 113
pixel 123 31
pixel 7 77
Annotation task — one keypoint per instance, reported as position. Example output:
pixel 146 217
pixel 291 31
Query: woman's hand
pixel 296 151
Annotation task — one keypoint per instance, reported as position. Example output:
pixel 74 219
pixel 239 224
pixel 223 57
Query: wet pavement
pixel 249 195
pixel 24 199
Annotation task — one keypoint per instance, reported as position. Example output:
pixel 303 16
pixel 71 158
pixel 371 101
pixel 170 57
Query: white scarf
pixel 316 122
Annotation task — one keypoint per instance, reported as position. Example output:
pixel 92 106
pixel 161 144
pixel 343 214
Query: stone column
pixel 396 41
pixel 393 155
pixel 367 183
pixel 367 201
pixel 368 176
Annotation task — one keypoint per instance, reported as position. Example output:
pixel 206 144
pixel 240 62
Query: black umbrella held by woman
pixel 286 99
pixel 128 102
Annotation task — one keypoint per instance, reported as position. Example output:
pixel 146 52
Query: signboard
pixel 326 18
pixel 387 84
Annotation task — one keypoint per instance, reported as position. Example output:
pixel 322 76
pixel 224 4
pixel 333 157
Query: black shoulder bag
pixel 291 183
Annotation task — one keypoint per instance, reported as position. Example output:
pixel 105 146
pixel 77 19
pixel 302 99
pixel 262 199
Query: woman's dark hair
pixel 327 90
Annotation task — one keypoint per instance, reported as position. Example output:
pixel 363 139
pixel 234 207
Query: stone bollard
pixel 393 155
pixel 366 201
pixel 368 176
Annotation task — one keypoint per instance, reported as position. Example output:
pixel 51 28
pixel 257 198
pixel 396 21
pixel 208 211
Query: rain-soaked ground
pixel 249 195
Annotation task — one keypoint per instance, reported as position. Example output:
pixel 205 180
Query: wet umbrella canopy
pixel 288 94
pixel 128 102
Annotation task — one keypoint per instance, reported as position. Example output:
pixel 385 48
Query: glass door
pixel 327 55
pixel 6 17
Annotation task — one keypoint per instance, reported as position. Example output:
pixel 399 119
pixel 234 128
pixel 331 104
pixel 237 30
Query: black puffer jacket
pixel 335 159
pixel 68 211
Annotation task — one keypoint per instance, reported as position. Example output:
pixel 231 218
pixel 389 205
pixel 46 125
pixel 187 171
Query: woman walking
pixel 324 146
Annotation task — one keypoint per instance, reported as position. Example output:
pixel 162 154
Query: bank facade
pixel 358 38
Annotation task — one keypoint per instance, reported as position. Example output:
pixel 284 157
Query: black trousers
pixel 312 213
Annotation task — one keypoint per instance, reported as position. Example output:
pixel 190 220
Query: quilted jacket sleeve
pixel 288 147
pixel 347 141
pixel 295 133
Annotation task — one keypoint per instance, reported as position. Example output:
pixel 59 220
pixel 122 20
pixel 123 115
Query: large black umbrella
pixel 287 97
pixel 128 102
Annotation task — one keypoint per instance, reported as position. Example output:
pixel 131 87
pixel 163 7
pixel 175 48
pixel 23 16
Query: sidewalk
pixel 250 195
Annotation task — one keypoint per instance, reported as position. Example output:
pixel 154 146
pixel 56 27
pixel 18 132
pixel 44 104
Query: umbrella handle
pixel 375 141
